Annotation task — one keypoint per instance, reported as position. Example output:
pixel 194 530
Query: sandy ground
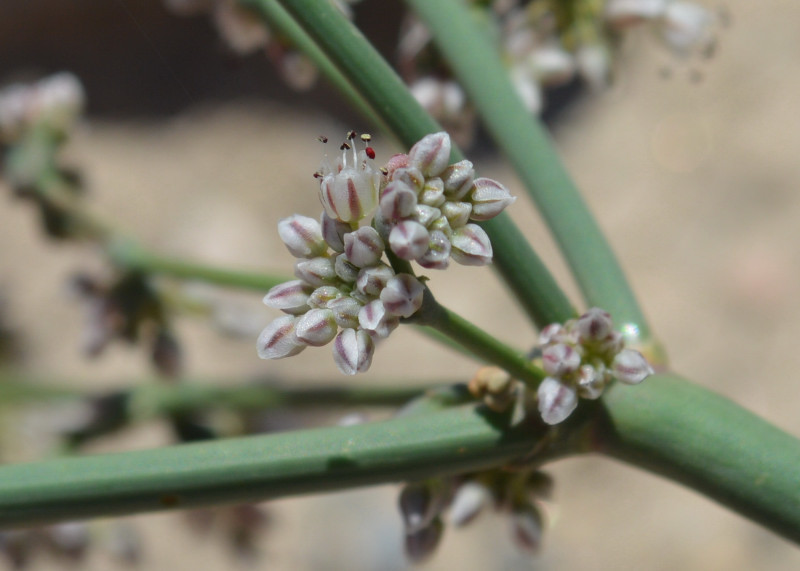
pixel 696 186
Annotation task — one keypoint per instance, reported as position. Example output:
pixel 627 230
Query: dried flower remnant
pixel 581 358
pixel 346 292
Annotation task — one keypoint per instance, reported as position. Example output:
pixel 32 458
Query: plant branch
pixel 672 427
pixel 468 46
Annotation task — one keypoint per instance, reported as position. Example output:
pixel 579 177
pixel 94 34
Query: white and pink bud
pixel 458 179
pixel 346 271
pixel 471 246
pixel 374 319
pixel 457 213
pixel 556 400
pixel 278 339
pixel 345 311
pixel 333 231
pixel 398 200
pixel 686 26
pixel 594 326
pixel 409 240
pixel 403 295
pixel 437 257
pixel 468 502
pixel 630 367
pixel 290 297
pixel 433 192
pixel 323 295
pixel 489 198
pixel 550 333
pixel 302 236
pixel 624 13
pixel 316 271
pixel 352 351
pixel 411 177
pixel 526 523
pixel 431 154
pixel 591 381
pixel 372 280
pixel 560 359
pixel 317 327
pixel 425 214
pixel 363 247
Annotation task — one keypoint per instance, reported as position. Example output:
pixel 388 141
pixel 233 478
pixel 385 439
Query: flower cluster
pixel 426 207
pixel 426 506
pixel 57 100
pixel 546 44
pixel 244 31
pixel 581 358
pixel 345 292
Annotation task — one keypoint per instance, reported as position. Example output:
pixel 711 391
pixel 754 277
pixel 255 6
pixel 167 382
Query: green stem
pixel 131 256
pixel 258 468
pixel 672 427
pixel 468 47
pixel 475 339
pixel 526 275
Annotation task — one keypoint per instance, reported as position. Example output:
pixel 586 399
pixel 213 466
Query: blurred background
pixel 197 152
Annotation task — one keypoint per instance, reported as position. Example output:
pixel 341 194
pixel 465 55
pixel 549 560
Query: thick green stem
pixel 468 46
pixel 258 468
pixel 526 275
pixel 677 429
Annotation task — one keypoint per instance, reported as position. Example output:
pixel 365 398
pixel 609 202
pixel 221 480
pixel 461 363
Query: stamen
pixel 322 139
pixel 370 152
pixel 366 137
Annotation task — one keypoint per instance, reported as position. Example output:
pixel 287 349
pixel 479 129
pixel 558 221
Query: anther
pixel 322 139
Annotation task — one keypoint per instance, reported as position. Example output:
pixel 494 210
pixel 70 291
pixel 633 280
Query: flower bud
pixel 351 194
pixel 560 359
pixel 593 326
pixel 422 502
pixel 471 246
pixel 437 257
pixel 686 25
pixel 317 327
pixel 594 64
pixel 403 295
pixel 591 382
pixel 278 339
pixel 433 192
pixel 425 214
pixel 290 297
pixel 469 500
pixel 363 247
pixel 457 213
pixel 556 400
pixel 371 315
pixel 372 280
pixel 315 271
pixel 526 523
pixel 333 231
pixel 431 154
pixel 346 271
pixel 552 64
pixel 623 13
pixel 345 311
pixel 302 236
pixel 409 240
pixel 411 177
pixel 630 367
pixel 457 179
pixel 550 333
pixel 59 99
pixel 421 544
pixel 397 200
pixel 323 295
pixel 352 351
pixel 489 198
pixel 398 161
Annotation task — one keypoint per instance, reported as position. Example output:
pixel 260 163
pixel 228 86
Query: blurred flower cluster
pixel 245 33
pixel 345 291
pixel 548 43
pixel 427 506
